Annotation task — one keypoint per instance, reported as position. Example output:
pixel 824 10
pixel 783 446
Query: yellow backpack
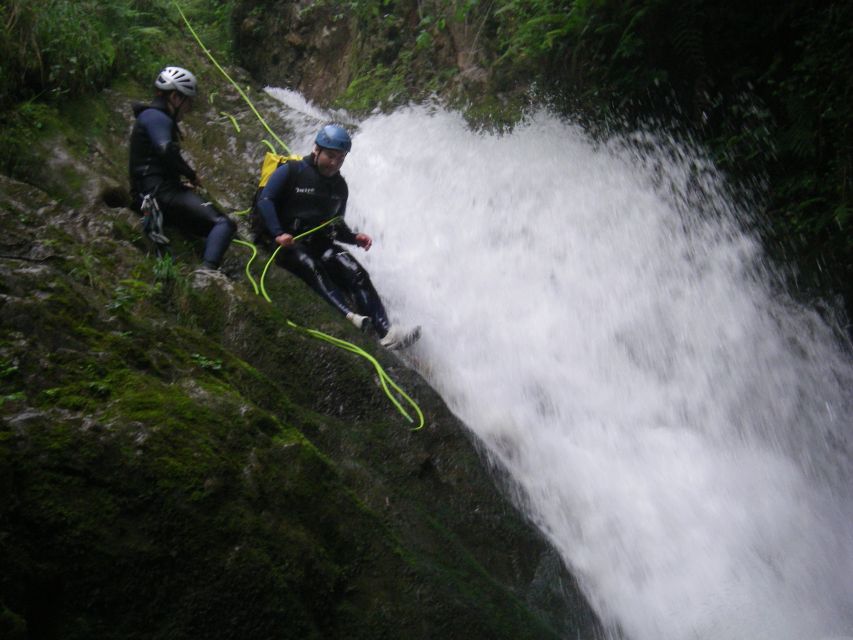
pixel 272 161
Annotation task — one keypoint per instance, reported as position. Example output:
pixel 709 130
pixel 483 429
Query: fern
pixel 688 39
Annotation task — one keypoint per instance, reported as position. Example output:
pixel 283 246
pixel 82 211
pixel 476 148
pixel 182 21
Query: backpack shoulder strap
pixel 272 161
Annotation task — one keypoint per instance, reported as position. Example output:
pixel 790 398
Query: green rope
pixel 384 380
pixel 278 248
pixel 227 77
pixel 264 274
pixel 233 120
pixel 249 263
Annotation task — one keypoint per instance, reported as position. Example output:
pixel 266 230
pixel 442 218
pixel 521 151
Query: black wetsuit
pixel 156 166
pixel 298 198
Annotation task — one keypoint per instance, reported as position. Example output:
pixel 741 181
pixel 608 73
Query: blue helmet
pixel 334 136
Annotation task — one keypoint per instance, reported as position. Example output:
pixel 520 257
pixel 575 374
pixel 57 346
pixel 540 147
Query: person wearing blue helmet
pixel 303 194
pixel 334 136
pixel 162 183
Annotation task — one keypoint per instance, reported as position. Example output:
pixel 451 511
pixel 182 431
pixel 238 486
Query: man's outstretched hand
pixel 362 240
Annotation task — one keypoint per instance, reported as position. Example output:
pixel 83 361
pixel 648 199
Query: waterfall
pixel 675 424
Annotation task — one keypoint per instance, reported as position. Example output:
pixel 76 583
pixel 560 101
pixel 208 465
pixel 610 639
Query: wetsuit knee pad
pixel 228 223
pixel 299 262
pixel 346 267
pixel 185 209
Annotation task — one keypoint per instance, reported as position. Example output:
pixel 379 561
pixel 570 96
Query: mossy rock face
pixel 147 531
pixel 181 463
pixel 365 56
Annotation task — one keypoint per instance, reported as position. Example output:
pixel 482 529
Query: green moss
pixel 12 397
pixel 496 113
pixel 84 119
pixel 377 87
pixel 12 625
pixel 22 131
pixel 181 463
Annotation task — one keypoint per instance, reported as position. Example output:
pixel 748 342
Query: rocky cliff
pixel 177 462
pixel 362 56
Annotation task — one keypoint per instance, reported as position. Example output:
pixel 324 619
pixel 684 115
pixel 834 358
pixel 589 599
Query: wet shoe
pixel 204 275
pixel 400 337
pixel 361 322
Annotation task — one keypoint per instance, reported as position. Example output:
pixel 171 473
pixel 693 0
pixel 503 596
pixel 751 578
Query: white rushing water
pixel 680 432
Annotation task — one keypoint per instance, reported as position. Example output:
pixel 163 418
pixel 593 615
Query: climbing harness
pixel 272 160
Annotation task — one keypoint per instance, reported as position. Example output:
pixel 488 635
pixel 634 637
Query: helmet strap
pixel 175 100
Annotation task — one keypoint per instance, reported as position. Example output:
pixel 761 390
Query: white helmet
pixel 177 79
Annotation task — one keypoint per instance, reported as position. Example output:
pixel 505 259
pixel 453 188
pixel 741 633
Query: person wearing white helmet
pixel 158 170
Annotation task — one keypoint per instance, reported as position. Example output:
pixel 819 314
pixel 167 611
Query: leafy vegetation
pixel 56 48
pixel 766 87
pixel 56 53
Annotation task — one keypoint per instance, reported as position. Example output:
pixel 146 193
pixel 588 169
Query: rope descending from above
pixel 385 380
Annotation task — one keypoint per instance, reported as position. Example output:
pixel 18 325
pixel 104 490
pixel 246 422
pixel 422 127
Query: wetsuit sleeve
pixel 272 198
pixel 159 128
pixel 341 230
pixel 343 233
